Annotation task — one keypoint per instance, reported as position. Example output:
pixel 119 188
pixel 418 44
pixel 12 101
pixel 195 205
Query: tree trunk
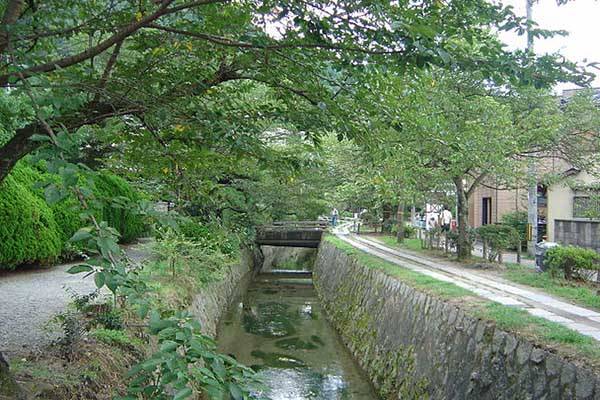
pixel 400 223
pixel 18 147
pixel 8 386
pixel 463 248
pixel 386 217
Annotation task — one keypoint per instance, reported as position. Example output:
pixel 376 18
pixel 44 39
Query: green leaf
pixel 76 269
pixel 81 234
pixel 219 368
pixel 143 310
pixel 169 346
pixel 53 194
pixel 236 392
pixel 183 394
pixel 99 279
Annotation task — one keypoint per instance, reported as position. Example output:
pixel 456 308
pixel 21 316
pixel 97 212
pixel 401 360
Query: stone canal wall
pixel 214 299
pixel 414 346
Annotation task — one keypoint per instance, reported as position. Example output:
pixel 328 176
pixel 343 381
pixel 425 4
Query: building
pixel 561 208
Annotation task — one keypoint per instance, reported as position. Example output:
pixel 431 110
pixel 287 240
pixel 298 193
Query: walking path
pixel 30 298
pixel 537 303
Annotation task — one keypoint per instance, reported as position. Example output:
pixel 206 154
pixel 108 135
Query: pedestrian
pixel 446 219
pixel 334 216
pixel 430 224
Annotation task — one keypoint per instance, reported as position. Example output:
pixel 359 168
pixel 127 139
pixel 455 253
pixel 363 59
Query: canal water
pixel 280 330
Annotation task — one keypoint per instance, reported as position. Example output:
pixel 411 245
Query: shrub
pixel 518 220
pixel 28 231
pixel 572 261
pixel 210 235
pixel 409 231
pixel 31 230
pixel 109 187
pixel 66 212
pixel 497 238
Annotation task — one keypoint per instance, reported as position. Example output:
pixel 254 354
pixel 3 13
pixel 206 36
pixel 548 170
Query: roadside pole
pixel 532 198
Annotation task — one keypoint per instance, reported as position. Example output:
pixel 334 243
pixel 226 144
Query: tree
pixel 462 129
pixel 145 59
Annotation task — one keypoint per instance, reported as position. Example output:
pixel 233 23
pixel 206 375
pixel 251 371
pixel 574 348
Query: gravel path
pixel 30 298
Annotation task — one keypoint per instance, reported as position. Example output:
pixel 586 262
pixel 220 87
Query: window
pixel 486 210
pixel 586 206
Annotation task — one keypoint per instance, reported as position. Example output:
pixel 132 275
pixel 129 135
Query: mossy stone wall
pixel 215 298
pixel 415 346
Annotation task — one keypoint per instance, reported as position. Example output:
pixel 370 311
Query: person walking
pixel 334 216
pixel 446 219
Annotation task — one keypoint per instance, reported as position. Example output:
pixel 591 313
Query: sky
pixel 581 18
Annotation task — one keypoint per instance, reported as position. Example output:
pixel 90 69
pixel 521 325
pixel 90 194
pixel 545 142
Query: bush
pixel 66 212
pixel 518 220
pixel 572 261
pixel 109 187
pixel 210 235
pixel 28 231
pixel 409 230
pixel 31 230
pixel 497 239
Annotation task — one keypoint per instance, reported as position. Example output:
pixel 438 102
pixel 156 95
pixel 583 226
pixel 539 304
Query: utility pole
pixel 532 198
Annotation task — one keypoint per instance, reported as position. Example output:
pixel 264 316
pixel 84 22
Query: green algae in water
pixel 272 320
pixel 295 343
pixel 278 360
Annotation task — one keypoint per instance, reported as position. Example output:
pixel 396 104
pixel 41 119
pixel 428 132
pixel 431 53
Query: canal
pixel 279 329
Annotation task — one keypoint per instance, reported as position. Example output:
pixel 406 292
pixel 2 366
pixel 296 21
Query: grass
pixel 445 290
pixel 550 334
pixel 541 330
pixel 413 244
pixel 117 338
pixel 578 292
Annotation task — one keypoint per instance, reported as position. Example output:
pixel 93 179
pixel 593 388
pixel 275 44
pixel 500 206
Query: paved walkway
pixel 582 320
pixel 30 298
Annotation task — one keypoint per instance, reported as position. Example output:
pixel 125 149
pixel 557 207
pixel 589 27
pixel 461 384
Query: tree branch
pixel 11 14
pixel 476 183
pixel 223 41
pixel 121 35
pixel 298 92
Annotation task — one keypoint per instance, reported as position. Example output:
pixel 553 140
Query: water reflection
pixel 278 329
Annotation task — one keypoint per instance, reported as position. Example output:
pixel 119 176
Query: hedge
pixel 28 231
pixel 572 261
pixel 108 187
pixel 31 230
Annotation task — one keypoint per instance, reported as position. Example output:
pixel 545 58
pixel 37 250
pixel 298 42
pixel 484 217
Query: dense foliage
pixel 33 230
pixel 497 239
pixel 28 231
pixel 572 261
pixel 517 220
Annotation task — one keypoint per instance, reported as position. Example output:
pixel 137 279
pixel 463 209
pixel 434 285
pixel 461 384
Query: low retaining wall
pixel 583 233
pixel 214 299
pixel 415 346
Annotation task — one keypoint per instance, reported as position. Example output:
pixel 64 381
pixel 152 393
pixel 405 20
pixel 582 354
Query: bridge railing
pixel 295 225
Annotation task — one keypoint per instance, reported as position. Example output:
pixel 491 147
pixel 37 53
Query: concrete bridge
pixel 292 233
